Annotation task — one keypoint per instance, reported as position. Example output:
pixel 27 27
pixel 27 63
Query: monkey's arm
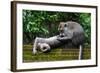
pixel 63 38
pixel 66 37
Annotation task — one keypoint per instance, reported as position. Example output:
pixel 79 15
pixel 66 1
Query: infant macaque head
pixel 44 47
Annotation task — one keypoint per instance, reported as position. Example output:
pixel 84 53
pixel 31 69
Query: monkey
pixel 73 31
pixel 48 43
pixel 70 33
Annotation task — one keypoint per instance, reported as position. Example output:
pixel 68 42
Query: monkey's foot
pixel 34 51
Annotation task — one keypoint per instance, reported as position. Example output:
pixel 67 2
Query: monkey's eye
pixel 65 25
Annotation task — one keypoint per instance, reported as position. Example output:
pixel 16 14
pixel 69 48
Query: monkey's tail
pixel 80 52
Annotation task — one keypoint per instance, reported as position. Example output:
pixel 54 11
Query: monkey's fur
pixel 71 34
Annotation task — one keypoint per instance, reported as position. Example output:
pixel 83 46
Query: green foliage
pixel 45 23
pixel 33 22
pixel 85 20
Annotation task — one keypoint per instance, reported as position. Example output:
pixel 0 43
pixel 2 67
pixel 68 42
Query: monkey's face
pixel 44 47
pixel 63 27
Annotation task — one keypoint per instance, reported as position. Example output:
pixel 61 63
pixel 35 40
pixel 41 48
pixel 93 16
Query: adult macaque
pixel 71 30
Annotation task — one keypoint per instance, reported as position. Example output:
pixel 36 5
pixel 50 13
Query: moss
pixel 54 55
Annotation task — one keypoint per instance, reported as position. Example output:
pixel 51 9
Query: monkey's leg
pixel 35 46
pixel 80 52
